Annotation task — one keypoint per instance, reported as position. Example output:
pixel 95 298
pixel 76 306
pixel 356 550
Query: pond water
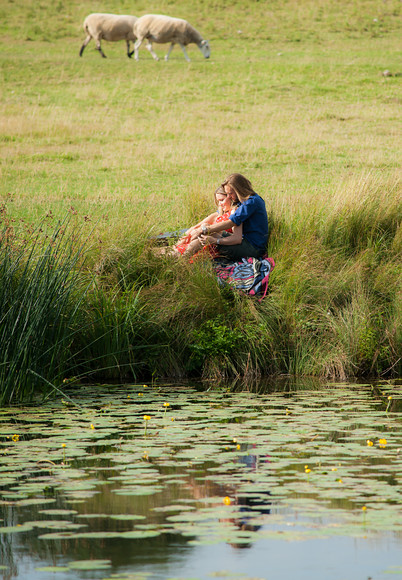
pixel 160 482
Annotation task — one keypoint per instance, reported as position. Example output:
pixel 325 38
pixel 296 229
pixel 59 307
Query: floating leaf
pixel 90 565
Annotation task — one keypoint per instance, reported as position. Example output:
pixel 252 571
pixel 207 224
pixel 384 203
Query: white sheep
pixel 110 27
pixel 163 29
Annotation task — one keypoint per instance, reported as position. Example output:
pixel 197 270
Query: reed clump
pixel 41 294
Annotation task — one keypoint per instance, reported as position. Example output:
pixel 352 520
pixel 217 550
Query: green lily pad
pixel 53 569
pixel 90 565
pixel 15 529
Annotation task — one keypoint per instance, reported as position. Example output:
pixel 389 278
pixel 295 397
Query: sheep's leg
pixel 86 42
pixel 137 45
pixel 184 52
pixel 169 51
pixel 149 47
pixel 98 47
pixel 129 54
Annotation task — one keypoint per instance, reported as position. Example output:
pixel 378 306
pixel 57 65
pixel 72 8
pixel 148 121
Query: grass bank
pixel 76 311
pixel 295 97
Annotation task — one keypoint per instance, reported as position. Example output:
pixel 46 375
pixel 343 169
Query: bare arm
pixel 230 240
pixel 215 228
pixel 191 231
pixel 234 238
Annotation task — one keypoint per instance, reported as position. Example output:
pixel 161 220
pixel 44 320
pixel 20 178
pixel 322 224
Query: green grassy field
pixel 293 96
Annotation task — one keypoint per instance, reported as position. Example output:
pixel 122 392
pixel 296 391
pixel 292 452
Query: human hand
pixel 207 240
pixel 196 233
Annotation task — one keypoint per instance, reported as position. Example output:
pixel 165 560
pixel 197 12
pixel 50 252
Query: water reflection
pixel 250 506
pixel 99 513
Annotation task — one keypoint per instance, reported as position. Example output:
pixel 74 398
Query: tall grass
pixel 41 294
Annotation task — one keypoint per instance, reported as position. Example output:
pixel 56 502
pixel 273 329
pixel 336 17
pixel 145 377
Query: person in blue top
pixel 251 213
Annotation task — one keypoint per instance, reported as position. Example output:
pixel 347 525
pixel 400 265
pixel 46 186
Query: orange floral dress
pixel 211 250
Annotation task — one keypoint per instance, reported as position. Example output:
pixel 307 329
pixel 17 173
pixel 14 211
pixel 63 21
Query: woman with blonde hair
pixel 190 243
pixel 251 214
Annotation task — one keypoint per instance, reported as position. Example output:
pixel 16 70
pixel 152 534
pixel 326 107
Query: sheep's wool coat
pixel 163 29
pixel 110 26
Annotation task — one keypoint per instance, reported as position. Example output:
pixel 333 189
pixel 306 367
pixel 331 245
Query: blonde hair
pixel 220 191
pixel 240 184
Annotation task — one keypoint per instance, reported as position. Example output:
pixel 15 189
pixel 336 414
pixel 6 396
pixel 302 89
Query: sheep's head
pixel 205 48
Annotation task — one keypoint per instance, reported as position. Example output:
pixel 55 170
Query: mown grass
pixel 293 96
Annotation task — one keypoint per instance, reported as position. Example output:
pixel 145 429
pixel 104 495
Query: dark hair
pixel 241 185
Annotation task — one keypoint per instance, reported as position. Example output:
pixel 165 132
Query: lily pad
pixel 90 565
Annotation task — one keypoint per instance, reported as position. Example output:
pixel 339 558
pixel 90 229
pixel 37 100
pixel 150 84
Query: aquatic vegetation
pixel 146 419
pixel 234 467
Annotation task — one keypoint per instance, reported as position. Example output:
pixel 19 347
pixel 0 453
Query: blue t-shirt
pixel 253 215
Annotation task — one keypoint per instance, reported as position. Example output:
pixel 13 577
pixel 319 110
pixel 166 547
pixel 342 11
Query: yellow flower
pixel 63 445
pixel 92 426
pixel 15 438
pixel 146 417
pixel 145 386
pixel 172 419
pixel 307 470
pixel 128 396
pixel 382 442
pixel 227 500
pixel 390 398
pixel 364 508
pixel 369 443
pixel 166 404
pixel 334 469
pixel 305 467
pixel 140 394
pixel 234 440
pixel 238 447
pixel 340 480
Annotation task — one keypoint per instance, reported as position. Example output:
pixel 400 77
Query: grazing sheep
pixel 110 27
pixel 162 29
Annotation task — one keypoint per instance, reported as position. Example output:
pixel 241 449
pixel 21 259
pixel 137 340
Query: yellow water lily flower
pixel 382 442
pixel 147 417
pixel 227 500
pixel 15 438
pixel 369 443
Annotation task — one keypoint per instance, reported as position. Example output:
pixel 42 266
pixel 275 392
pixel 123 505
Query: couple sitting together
pixel 238 229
